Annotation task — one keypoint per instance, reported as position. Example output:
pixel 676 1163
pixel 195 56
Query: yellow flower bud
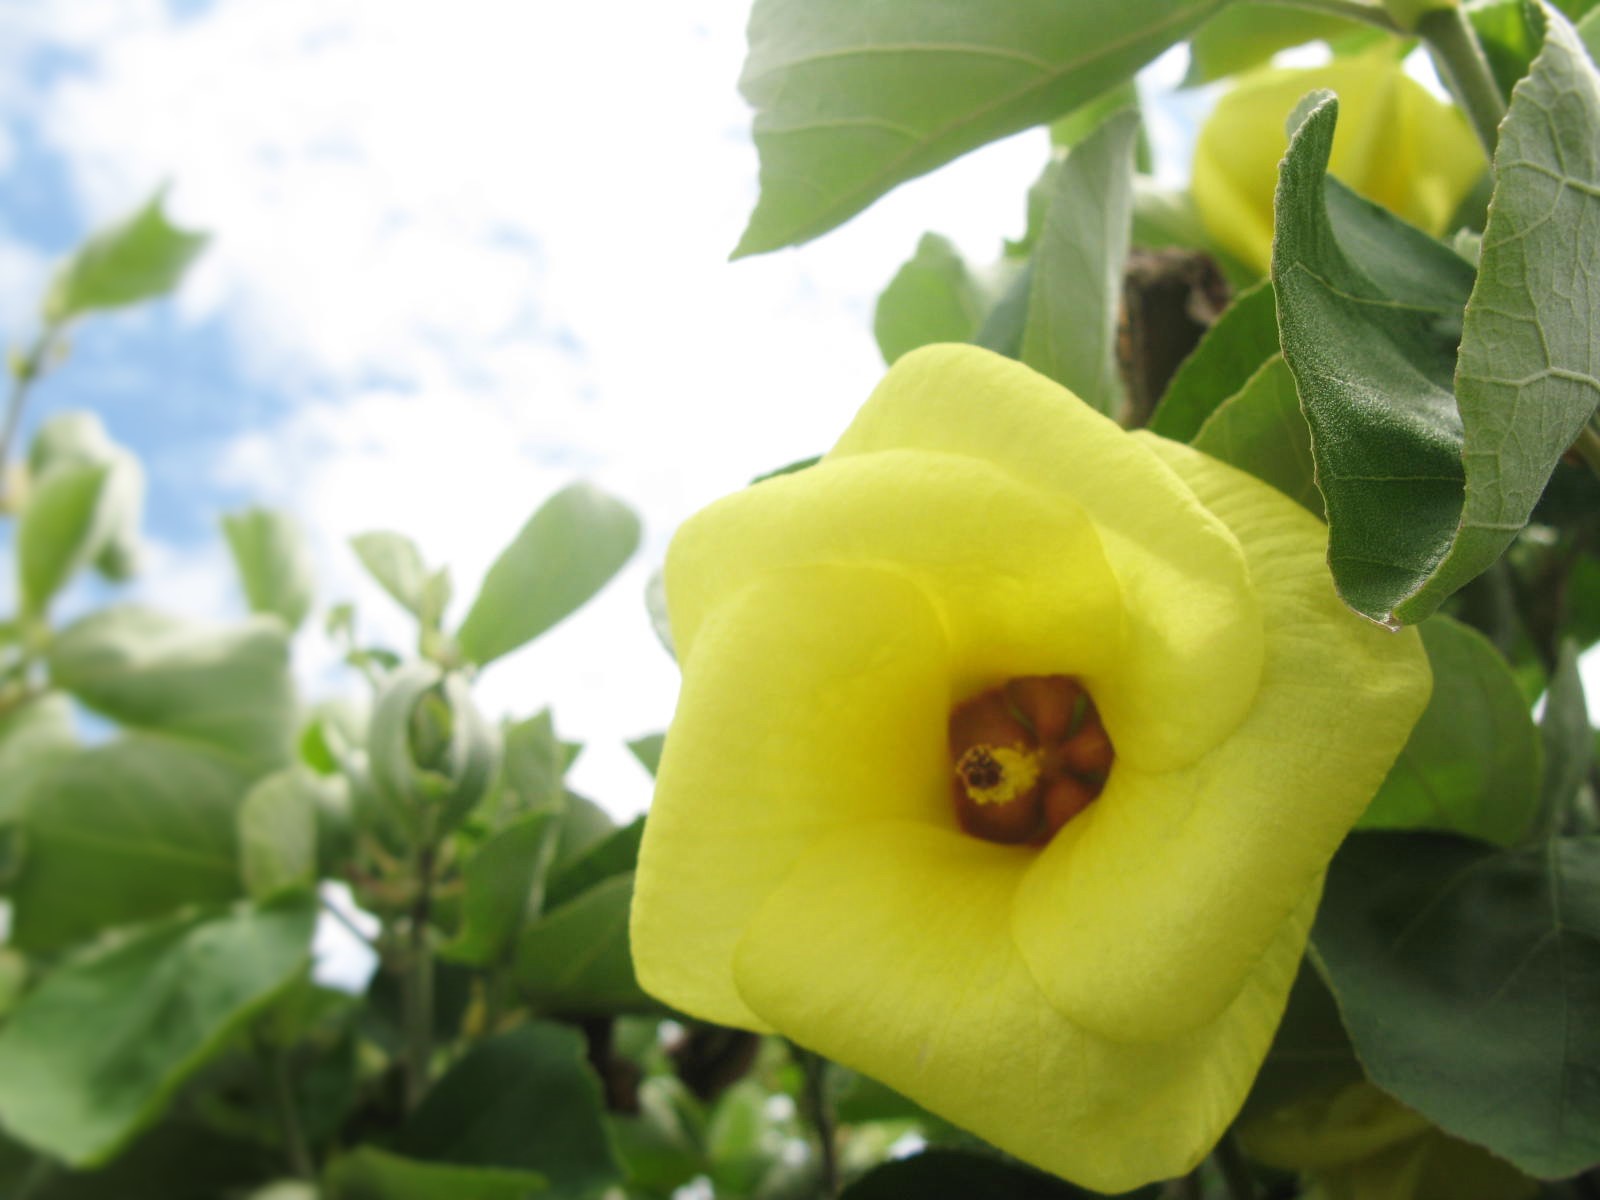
pixel 1396 145
pixel 1011 751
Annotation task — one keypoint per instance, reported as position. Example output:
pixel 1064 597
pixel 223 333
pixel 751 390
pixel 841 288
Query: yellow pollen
pixel 998 774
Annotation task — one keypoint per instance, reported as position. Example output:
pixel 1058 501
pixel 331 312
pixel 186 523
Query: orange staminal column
pixel 1027 757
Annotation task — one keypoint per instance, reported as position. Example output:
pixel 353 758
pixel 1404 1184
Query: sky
pixel 456 264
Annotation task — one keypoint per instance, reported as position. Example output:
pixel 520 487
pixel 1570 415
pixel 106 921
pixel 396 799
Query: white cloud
pixel 483 253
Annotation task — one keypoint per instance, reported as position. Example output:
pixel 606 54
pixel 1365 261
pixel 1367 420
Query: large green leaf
pixel 66 523
pixel 576 960
pixel 95 1053
pixel 373 1174
pixel 227 687
pixel 1466 977
pixel 124 832
pixel 853 99
pixel 1242 36
pixel 1471 764
pixel 566 553
pixel 1232 350
pixel 278 831
pixel 1369 313
pixel 932 298
pixel 138 258
pixel 1310 1053
pixel 33 737
pixel 1071 331
pixel 525 1100
pixel 959 1175
pixel 1260 429
pixel 274 562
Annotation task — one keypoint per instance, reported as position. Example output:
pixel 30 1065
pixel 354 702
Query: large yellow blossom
pixel 1096 1002
pixel 1396 145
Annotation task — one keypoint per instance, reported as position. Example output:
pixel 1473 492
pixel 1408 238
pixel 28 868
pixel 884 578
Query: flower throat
pixel 1028 756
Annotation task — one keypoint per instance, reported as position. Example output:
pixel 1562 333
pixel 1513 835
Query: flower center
pixel 1028 757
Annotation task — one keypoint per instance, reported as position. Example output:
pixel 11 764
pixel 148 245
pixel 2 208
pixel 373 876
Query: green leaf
pixel 227 687
pixel 1310 1053
pixel 566 553
pixel 1567 738
pixel 1242 36
pixel 278 832
pixel 932 298
pixel 535 764
pixel 503 884
pixel 525 1100
pixel 853 99
pixel 647 750
pixel 1509 39
pixel 139 258
pixel 1471 764
pixel 395 562
pixel 1466 978
pixel 959 1175
pixel 373 1174
pixel 125 832
pixel 66 523
pixel 1368 308
pixel 179 1159
pixel 79 439
pixel 1071 332
pixel 33 737
pixel 274 562
pixel 616 854
pixel 661 1146
pixel 1230 352
pixel 575 961
pixel 95 1053
pixel 1081 123
pixel 1260 429
pixel 584 825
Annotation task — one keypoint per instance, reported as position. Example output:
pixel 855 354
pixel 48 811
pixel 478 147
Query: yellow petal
pixel 1192 651
pixel 813 698
pixel 887 948
pixel 1150 910
pixel 1396 145
pixel 1019 580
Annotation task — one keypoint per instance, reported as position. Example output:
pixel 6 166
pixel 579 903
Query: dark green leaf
pixel 66 523
pixel 661 1146
pixel 395 562
pixel 504 883
pixel 1310 1053
pixel 1260 429
pixel 139 258
pixel 958 1175
pixel 575 961
pixel 932 298
pixel 1232 350
pixel 1242 36
pixel 853 99
pixel 1466 978
pixel 566 553
pixel 179 1159
pixel 525 1100
pixel 1369 308
pixel 1071 332
pixel 278 831
pixel 125 832
pixel 274 562
pixel 373 1174
pixel 96 1051
pixel 617 854
pixel 1471 764
pixel 648 750
pixel 227 687
pixel 1567 738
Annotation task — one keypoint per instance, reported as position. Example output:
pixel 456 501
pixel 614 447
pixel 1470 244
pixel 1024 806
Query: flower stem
pixel 1461 61
pixel 417 985
pixel 25 372
pixel 294 1138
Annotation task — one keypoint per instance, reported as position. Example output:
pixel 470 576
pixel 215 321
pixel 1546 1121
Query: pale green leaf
pixel 932 298
pixel 566 553
pixel 853 99
pixel 1242 36
pixel 278 832
pixel 274 562
pixel 395 562
pixel 66 523
pixel 139 258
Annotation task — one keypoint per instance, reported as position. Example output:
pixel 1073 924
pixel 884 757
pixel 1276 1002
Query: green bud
pixel 432 754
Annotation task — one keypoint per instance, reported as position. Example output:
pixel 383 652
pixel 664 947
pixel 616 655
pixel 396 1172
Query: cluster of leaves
pixel 1431 400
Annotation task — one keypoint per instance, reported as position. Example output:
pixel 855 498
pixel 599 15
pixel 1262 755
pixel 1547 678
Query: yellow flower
pixel 1084 964
pixel 1396 145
